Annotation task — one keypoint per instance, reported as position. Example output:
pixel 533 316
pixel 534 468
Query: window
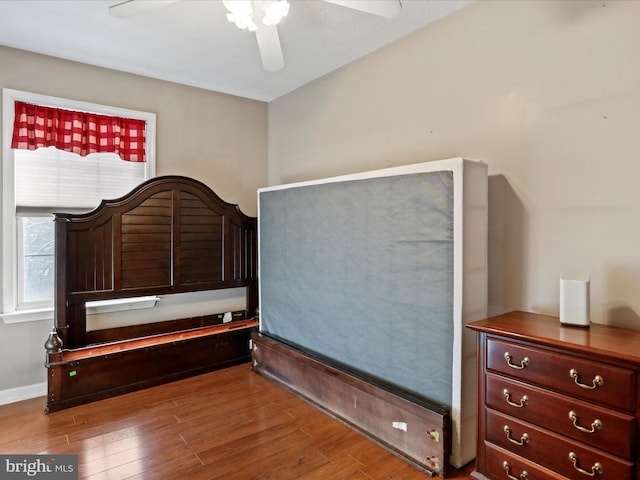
pixel 35 260
pixel 37 183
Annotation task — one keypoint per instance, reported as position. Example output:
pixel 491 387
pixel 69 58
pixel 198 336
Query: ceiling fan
pixel 262 17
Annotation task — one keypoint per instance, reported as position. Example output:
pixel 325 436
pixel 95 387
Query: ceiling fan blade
pixel 270 49
pixel 382 8
pixel 134 7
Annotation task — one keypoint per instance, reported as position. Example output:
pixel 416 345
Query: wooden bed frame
pixel 170 235
pixel 412 428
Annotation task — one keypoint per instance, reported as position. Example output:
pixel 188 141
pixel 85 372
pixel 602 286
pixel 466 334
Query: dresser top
pixel 619 343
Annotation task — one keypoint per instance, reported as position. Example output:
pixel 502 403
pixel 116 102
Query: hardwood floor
pixel 231 424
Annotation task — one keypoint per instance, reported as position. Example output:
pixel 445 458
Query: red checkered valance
pixel 83 133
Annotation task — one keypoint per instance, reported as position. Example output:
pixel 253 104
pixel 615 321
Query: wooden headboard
pixel 169 235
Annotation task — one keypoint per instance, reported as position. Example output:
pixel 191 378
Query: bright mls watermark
pixel 52 467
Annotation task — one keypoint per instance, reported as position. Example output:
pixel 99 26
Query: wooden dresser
pixel 556 402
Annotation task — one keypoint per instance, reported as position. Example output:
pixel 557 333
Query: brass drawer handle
pixel 595 469
pixel 507 468
pixel 597 381
pixel 595 425
pixel 524 439
pixel 524 401
pixel 525 361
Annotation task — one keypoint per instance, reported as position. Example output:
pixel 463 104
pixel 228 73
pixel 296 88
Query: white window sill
pixel 22 316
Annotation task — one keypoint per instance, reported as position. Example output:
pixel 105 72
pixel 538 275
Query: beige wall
pixel 218 139
pixel 547 93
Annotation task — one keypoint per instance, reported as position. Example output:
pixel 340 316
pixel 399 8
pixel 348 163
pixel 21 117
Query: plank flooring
pixel 231 424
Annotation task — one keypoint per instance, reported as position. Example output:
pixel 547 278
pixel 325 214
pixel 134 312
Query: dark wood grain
pixel 552 369
pixel 548 449
pixel 107 371
pixel 169 235
pixel 231 424
pixel 553 351
pixel 595 340
pixel 617 438
pixel 369 408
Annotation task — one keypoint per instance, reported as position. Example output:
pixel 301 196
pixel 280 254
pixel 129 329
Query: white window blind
pixel 37 183
pixel 51 180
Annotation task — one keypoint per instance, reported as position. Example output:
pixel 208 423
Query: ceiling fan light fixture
pixel 241 14
pixel 274 11
pixel 242 22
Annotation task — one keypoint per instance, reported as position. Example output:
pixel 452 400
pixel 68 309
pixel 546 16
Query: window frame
pixel 11 311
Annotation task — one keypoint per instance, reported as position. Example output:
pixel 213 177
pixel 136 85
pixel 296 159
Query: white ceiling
pixel 192 43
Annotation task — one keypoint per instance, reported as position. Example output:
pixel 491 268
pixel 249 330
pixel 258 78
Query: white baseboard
pixel 23 393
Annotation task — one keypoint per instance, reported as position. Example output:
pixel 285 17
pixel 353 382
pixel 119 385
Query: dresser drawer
pixel 557 453
pixel 502 464
pixel 606 429
pixel 592 381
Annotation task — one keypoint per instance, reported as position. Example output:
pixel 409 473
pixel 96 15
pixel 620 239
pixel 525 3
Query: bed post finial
pixel 53 343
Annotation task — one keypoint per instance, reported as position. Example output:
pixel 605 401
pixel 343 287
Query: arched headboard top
pixel 156 184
